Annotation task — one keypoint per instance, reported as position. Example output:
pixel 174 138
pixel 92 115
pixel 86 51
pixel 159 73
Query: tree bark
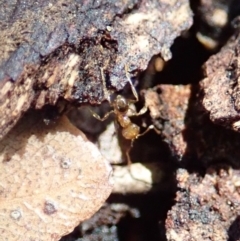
pixel 53 49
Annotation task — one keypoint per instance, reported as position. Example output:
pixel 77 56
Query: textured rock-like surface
pixel 185 126
pixel 206 208
pixel 51 49
pixel 51 178
pixel 221 86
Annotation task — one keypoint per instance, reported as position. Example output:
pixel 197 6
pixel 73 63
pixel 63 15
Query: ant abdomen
pixel 131 132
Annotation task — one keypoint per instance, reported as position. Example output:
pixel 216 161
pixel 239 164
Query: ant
pixel 123 111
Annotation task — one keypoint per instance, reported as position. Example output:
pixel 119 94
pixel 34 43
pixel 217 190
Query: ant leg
pixel 129 162
pixel 95 115
pixel 141 112
pixel 131 84
pixel 146 131
pixel 151 127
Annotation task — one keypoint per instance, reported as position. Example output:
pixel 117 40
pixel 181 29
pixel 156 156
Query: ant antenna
pixel 131 84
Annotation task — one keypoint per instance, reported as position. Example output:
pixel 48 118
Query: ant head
pixel 121 103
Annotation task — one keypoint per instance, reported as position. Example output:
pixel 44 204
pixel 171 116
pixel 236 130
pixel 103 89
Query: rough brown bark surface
pixel 221 86
pixel 53 49
pixel 207 208
pixel 191 136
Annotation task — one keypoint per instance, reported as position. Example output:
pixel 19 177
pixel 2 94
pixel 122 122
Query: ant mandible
pixel 123 111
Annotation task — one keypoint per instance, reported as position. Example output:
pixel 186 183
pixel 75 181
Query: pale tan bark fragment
pixel 51 178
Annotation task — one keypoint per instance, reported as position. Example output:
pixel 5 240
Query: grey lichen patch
pixel 49 208
pixel 16 214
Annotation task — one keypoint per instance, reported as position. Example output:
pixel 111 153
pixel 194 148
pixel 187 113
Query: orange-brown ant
pixel 123 111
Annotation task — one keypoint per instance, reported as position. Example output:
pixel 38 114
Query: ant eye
pixel 121 104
